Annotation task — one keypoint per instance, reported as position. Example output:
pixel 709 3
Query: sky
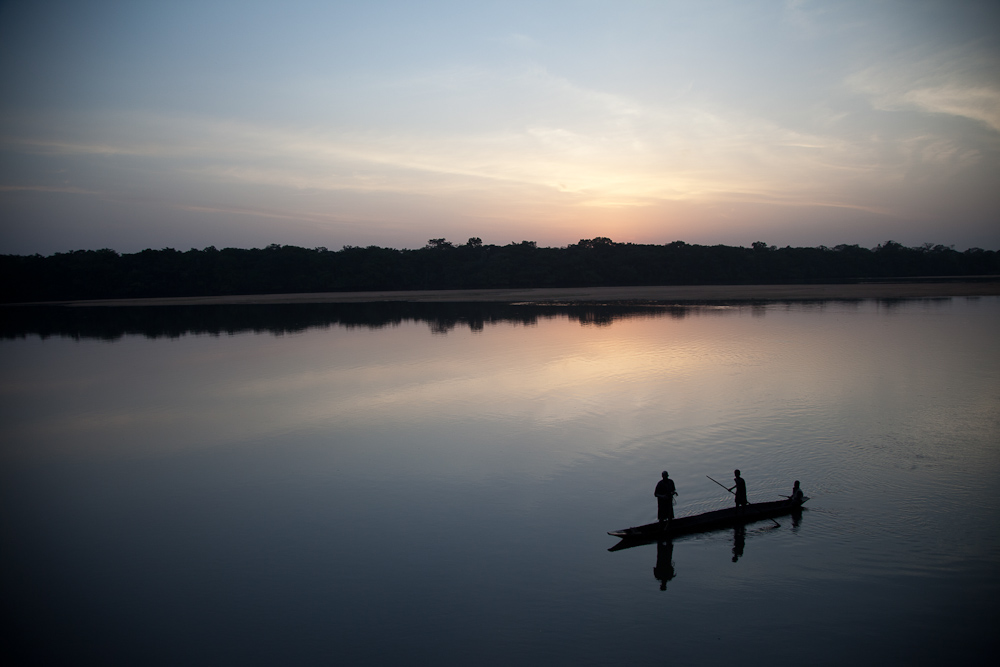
pixel 132 125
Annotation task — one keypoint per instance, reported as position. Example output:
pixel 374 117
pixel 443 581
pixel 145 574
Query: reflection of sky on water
pixel 299 496
pixel 509 397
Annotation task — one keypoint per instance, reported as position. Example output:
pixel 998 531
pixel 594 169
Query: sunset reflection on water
pixel 397 466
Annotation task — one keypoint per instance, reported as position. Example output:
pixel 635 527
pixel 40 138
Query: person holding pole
pixel 741 489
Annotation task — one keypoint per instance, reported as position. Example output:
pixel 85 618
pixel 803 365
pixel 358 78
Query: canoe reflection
pixel 664 569
pixel 706 522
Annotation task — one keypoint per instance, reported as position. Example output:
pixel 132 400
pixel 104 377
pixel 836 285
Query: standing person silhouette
pixel 741 489
pixel 665 492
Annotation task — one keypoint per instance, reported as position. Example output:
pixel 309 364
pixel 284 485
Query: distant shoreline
pixel 584 295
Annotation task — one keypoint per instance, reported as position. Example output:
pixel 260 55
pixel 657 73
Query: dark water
pixel 415 484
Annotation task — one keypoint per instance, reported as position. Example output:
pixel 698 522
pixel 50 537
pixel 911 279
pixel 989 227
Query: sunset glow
pixel 385 123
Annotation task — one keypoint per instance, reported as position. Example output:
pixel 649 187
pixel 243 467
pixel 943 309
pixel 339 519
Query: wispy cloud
pixel 956 84
pixel 494 118
pixel 597 148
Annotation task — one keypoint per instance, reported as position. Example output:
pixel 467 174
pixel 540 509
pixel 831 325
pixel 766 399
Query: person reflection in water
pixel 665 492
pixel 741 489
pixel 739 541
pixel 664 570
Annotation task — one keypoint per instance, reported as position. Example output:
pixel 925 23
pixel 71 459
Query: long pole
pixel 723 486
pixel 734 493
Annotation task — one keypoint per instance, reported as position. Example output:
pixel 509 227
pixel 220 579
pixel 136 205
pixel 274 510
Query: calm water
pixel 424 486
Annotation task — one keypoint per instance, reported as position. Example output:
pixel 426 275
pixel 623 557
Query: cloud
pixel 558 136
pixel 976 102
pixel 956 84
pixel 492 143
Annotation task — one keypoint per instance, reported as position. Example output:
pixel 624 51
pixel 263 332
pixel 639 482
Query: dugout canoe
pixel 723 518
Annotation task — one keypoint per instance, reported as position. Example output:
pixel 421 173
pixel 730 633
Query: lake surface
pixel 406 484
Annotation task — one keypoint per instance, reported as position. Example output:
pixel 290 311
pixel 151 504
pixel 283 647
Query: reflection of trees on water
pixel 110 323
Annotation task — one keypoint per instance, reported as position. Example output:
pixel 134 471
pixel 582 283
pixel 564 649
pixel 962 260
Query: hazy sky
pixel 180 124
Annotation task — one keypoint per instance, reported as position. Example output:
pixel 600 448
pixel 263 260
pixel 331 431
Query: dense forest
pixel 106 274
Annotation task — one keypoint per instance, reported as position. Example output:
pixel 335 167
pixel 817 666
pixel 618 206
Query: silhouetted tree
pixel 92 274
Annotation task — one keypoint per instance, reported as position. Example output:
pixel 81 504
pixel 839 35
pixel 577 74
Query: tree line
pixel 277 269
